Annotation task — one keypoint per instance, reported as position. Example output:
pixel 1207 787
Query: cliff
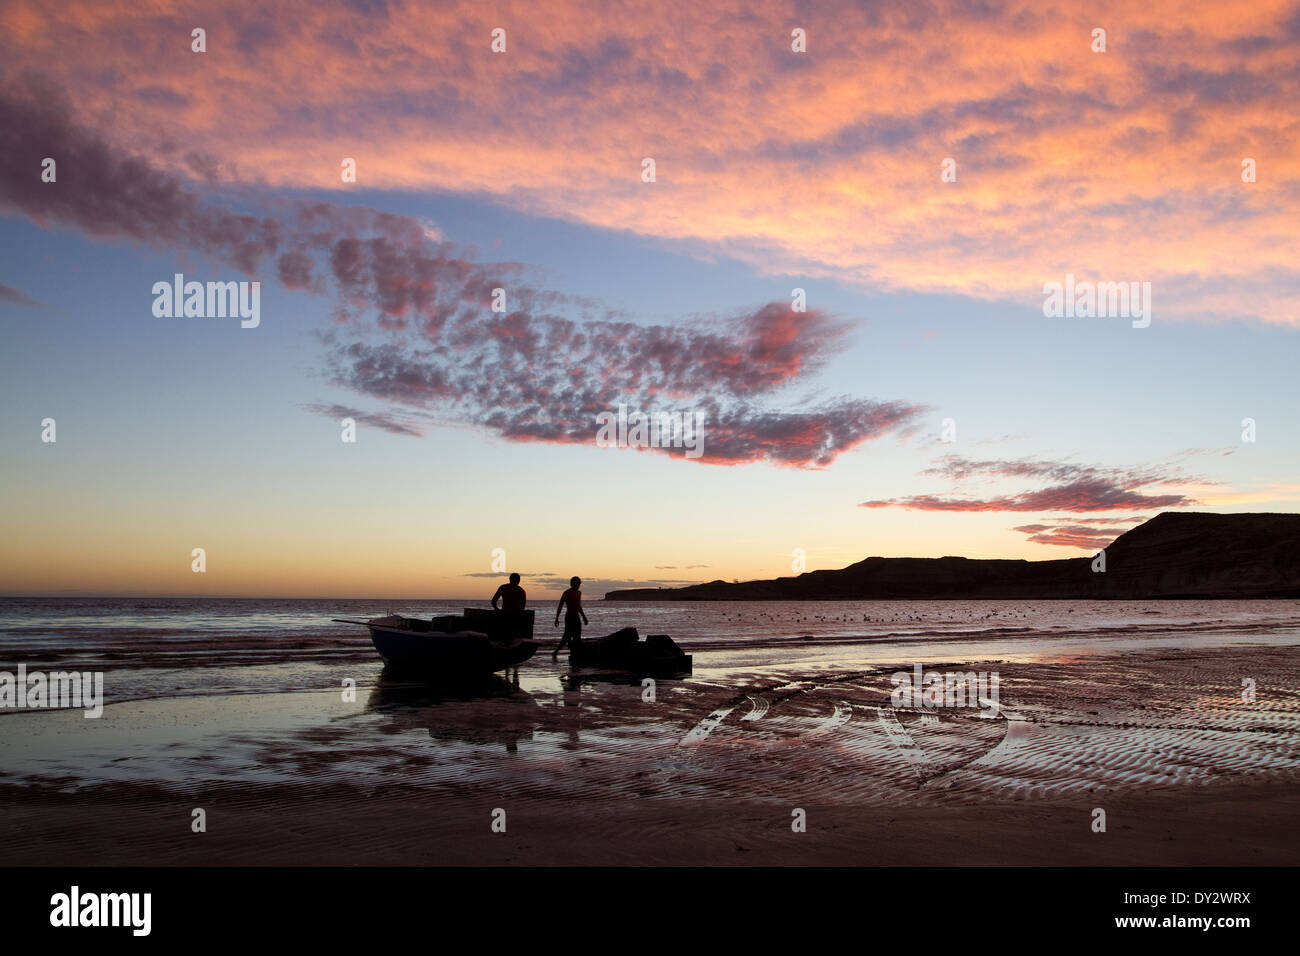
pixel 1174 555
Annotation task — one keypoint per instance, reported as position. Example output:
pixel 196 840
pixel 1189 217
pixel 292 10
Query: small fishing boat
pixel 478 642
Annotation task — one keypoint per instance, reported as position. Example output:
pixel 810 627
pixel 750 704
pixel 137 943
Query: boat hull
pixel 445 654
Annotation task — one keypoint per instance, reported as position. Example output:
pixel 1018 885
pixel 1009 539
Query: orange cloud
pixel 1117 166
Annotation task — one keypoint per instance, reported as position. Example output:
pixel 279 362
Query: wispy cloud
pixel 527 575
pixel 388 423
pixel 824 163
pixel 415 327
pixel 17 297
pixel 551 581
pixel 1069 487
pixel 1089 533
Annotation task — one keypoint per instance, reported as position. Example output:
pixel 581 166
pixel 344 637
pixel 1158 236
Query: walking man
pixel 574 616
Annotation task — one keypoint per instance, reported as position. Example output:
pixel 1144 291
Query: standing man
pixel 511 596
pixel 574 617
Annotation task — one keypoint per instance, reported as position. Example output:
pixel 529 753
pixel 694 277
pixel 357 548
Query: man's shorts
pixel 572 627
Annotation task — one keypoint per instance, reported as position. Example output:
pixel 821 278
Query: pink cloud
pixel 415 326
pixel 824 163
pixel 1087 533
pixel 17 297
pixel 1071 487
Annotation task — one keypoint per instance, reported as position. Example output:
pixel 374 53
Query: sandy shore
pixel 1229 825
pixel 588 771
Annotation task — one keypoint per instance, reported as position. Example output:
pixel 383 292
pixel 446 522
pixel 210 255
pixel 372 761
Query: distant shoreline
pixel 1174 556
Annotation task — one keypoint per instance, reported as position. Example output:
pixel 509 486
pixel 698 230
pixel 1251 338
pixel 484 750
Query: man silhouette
pixel 511 596
pixel 574 616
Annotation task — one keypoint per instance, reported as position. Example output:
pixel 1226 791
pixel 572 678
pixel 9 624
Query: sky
pixel 839 257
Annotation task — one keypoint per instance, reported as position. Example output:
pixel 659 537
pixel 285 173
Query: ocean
pixel 284 727
pixel 157 647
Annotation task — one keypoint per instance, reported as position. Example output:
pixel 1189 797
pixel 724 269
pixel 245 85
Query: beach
pixel 814 342
pixel 785 751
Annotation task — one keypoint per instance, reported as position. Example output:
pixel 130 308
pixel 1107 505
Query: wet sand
pixel 588 771
pixel 1246 825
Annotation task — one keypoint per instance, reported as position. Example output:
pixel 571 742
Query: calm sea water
pixel 179 646
pixel 254 697
pixel 230 631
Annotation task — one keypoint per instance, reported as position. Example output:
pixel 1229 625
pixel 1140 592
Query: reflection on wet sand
pixel 484 710
pixel 704 765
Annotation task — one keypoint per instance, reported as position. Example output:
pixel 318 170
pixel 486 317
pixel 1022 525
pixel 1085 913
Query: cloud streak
pixel 17 297
pixel 1088 533
pixel 388 423
pixel 1070 487
pixel 415 327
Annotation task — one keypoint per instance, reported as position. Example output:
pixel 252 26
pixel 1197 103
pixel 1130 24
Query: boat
pixel 478 642
pixel 657 656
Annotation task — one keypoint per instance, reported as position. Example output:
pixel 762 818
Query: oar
pixel 342 620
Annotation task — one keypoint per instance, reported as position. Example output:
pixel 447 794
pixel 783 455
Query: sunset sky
pixel 522 170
